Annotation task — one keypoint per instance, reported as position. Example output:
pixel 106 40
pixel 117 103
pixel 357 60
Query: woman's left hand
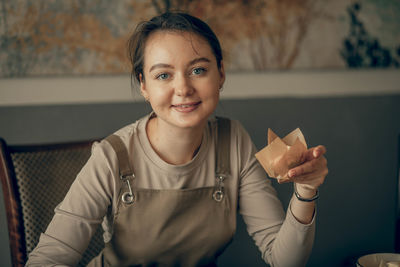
pixel 312 172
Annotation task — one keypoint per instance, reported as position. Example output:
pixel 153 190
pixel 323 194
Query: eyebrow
pixel 200 59
pixel 194 61
pixel 160 65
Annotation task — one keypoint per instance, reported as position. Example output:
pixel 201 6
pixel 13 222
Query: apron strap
pixel 125 170
pixel 122 154
pixel 223 162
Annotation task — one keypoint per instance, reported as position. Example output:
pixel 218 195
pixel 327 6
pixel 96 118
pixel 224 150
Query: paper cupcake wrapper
pixel 280 155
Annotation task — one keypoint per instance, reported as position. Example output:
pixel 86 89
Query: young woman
pixel 167 187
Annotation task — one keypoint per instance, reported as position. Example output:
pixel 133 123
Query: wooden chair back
pixel 35 178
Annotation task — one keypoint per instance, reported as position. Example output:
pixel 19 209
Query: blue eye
pixel 163 76
pixel 198 71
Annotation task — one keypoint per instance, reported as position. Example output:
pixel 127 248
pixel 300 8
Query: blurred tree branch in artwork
pixel 360 49
pixel 276 30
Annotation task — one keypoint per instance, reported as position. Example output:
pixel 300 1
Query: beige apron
pixel 188 227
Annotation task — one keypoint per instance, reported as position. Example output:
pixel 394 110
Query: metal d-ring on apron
pixel 218 194
pixel 127 197
pixel 184 227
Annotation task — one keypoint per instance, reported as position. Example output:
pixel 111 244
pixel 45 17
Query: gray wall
pixel 357 208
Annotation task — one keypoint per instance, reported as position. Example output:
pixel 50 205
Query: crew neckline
pixel 163 165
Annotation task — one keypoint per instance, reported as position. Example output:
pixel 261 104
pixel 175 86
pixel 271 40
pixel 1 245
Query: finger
pixel 314 152
pixel 319 151
pixel 302 169
pixel 308 167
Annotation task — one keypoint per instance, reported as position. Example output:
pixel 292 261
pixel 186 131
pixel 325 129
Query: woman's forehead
pixel 168 45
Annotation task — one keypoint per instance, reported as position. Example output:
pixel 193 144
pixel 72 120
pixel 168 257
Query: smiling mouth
pixel 187 107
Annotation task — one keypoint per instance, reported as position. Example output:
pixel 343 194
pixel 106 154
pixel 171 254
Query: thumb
pixel 315 152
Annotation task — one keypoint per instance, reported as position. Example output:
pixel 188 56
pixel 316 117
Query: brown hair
pixel 170 21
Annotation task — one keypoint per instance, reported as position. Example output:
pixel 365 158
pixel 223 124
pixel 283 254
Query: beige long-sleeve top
pixel 282 240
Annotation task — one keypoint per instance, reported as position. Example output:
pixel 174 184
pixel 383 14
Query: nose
pixel 183 86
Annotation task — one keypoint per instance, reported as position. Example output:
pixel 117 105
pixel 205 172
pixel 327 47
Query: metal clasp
pixel 219 194
pixel 127 197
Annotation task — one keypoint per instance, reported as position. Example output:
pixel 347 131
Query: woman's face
pixel 182 79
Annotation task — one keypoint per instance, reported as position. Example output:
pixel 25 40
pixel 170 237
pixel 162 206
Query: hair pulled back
pixel 169 21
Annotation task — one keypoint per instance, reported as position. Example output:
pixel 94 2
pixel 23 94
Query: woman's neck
pixel 174 145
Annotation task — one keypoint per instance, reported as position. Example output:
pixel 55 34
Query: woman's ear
pixel 222 75
pixel 143 87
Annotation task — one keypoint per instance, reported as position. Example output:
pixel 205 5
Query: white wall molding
pixel 111 89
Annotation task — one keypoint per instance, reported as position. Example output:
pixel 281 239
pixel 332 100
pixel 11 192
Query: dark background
pixel 357 209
